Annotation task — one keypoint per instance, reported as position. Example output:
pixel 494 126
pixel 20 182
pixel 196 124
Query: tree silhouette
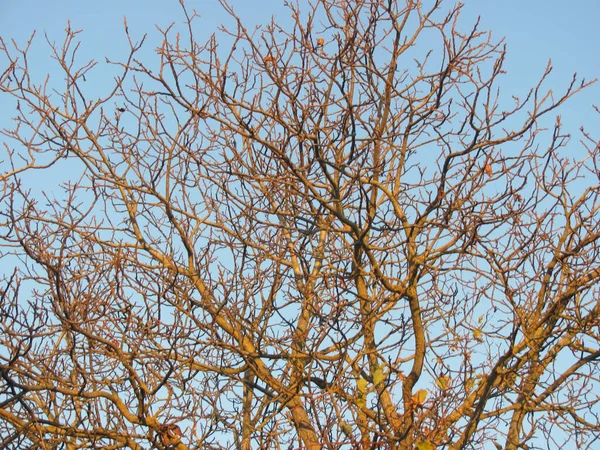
pixel 337 233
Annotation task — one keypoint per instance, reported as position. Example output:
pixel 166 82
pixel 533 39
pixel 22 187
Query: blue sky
pixel 534 30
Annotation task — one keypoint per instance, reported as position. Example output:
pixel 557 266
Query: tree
pixel 336 234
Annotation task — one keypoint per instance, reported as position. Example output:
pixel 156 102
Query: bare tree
pixel 332 234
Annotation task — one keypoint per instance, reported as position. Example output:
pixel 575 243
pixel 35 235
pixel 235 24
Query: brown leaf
pixel 488 169
pixel 170 434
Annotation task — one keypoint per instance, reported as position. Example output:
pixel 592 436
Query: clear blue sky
pixel 535 31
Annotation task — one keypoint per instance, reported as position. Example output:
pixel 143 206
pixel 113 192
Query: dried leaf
pixel 488 169
pixel 361 385
pixel 443 382
pixel 420 396
pixel 346 428
pixel 170 434
pixel 469 384
pixel 425 445
pixel 378 376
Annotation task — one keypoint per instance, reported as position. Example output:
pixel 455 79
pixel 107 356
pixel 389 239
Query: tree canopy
pixel 337 232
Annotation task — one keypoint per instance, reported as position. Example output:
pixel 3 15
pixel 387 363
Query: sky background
pixel 534 31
